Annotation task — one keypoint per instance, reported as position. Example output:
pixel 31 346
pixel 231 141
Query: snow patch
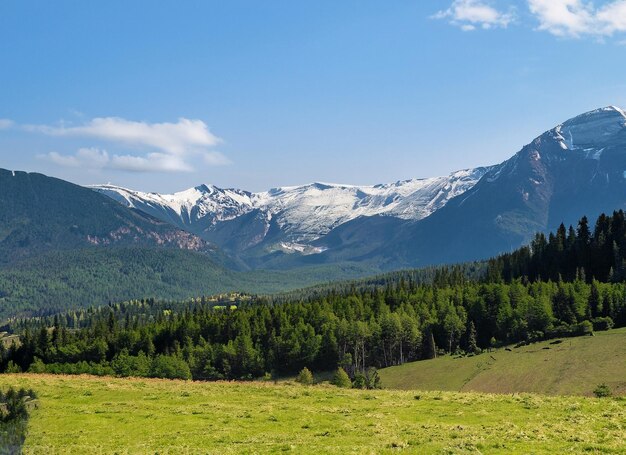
pixel 595 154
pixel 301 248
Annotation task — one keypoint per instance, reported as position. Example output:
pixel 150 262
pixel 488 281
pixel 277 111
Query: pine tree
pixel 472 345
pixel 430 349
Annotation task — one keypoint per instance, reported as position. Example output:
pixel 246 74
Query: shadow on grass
pixel 15 406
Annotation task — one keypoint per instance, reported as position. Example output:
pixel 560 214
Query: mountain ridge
pixel 302 214
pixel 577 167
pixel 40 213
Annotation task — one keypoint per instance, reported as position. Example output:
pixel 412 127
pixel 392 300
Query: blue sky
pixel 162 96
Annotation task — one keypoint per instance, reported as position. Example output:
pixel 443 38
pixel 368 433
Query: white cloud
pixel 5 123
pixel 471 14
pixel 95 159
pixel 575 18
pixel 153 162
pixel 564 18
pixel 173 138
pixel 88 158
pixel 613 16
pixel 160 147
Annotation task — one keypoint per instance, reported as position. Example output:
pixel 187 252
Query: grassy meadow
pixel 84 414
pixel 568 366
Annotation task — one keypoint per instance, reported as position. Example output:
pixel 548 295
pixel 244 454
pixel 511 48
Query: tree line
pixel 356 330
pixel 569 254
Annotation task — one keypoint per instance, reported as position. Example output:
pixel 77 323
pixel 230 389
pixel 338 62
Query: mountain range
pixel 64 245
pixel 577 168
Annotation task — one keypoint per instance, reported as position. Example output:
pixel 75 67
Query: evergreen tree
pixel 341 379
pixel 305 377
pixel 472 345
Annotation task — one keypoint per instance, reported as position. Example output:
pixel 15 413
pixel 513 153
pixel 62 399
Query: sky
pixel 163 96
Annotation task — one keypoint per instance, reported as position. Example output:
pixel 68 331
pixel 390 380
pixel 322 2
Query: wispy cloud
pixel 5 123
pixel 159 147
pixel 85 158
pixel 472 14
pixel 173 138
pixel 97 159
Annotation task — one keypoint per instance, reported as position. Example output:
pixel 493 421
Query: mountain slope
pixel 40 213
pixel 61 280
pixel 577 168
pixel 554 179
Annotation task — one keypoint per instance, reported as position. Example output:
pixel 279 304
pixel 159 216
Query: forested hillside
pixel 40 214
pixel 64 280
pixel 355 327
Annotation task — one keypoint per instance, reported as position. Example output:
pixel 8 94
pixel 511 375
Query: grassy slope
pixel 105 415
pixel 574 367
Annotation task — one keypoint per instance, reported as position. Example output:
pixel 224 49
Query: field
pixel 573 366
pixel 104 415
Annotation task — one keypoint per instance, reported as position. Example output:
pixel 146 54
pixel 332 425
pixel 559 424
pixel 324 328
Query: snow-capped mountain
pixel 576 168
pixel 301 213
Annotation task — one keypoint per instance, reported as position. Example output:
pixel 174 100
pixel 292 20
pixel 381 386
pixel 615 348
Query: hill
pixel 574 366
pixel 40 214
pixel 88 414
pixel 61 280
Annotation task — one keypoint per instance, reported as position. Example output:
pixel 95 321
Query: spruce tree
pixel 430 348
pixel 472 345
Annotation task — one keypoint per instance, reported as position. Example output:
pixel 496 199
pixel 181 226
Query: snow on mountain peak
pixel 304 213
pixel 591 130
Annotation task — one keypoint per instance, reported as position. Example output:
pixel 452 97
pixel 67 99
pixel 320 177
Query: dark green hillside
pixel 58 281
pixel 40 213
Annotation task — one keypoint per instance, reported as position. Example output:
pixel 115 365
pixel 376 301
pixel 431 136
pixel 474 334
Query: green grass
pixel 105 415
pixel 573 367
